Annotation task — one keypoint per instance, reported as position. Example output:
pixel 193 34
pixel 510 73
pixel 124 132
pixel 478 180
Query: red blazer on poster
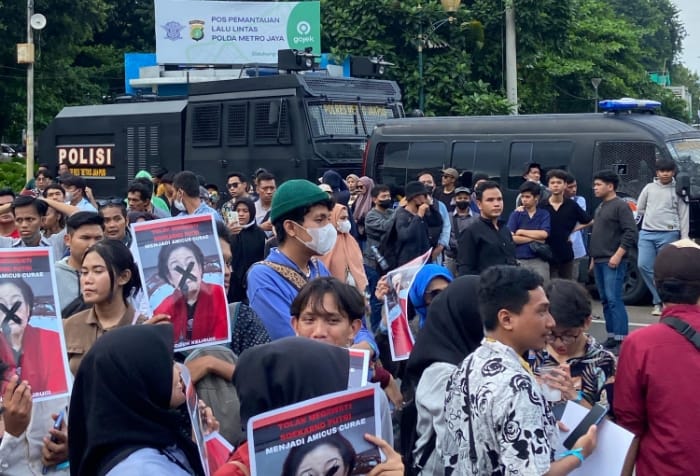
pixel 41 360
pixel 7 358
pixel 238 463
pixel 209 313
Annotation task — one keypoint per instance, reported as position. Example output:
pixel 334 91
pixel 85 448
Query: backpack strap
pixel 684 329
pixel 292 276
pixel 427 452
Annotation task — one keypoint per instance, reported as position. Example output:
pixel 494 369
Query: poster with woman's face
pixel 31 332
pixel 182 271
pixel 322 436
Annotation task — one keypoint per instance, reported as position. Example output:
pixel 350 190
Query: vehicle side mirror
pixel 683 186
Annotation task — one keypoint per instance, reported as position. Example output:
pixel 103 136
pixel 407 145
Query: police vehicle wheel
pixel 634 291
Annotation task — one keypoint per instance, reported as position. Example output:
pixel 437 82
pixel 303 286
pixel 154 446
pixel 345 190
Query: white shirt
pixel 513 426
pixel 260 213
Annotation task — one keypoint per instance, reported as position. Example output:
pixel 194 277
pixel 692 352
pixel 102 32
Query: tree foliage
pixel 562 45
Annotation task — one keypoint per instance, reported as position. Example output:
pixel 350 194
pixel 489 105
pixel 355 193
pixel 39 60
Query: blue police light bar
pixel 628 104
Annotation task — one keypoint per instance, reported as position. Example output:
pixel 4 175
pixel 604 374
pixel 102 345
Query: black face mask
pixel 385 203
pixel 462 205
pixel 430 189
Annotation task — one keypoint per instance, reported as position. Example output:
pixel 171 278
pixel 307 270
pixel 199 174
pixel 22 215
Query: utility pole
pixel 596 82
pixel 25 55
pixel 29 155
pixel 511 59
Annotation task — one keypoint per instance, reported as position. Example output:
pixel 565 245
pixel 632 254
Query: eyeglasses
pixel 233 185
pixel 566 339
pixel 111 202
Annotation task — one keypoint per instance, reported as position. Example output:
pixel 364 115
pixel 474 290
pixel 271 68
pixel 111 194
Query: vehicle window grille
pixel 206 125
pixel 142 148
pixel 236 124
pixel 267 127
pixel 153 147
pixel 130 152
pixel 634 162
pixel 324 123
pixel 372 118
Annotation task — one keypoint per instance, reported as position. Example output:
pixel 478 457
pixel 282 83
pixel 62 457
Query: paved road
pixel 640 316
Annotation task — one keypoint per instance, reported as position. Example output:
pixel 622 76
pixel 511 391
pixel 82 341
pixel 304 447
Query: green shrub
pixel 12 174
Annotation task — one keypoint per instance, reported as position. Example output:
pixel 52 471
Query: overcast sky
pixel 690 16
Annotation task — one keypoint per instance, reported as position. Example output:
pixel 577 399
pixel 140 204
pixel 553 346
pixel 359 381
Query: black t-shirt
pixel 563 222
pixel 446 198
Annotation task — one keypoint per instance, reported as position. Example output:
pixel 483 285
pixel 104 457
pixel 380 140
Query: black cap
pixel 414 189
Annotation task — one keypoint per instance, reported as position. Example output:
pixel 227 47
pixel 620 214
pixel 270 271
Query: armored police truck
pixel 293 125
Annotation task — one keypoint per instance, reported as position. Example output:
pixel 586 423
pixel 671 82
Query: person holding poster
pixel 430 281
pixel 108 276
pixel 30 442
pixel 285 372
pixel 182 270
pixel 195 307
pixel 331 311
pixel 30 347
pixel 122 419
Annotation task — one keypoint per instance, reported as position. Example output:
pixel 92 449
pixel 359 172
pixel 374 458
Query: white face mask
pixel 179 205
pixel 344 226
pixel 322 239
pixel 68 197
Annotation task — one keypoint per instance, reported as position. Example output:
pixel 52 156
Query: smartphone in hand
pixel 594 416
pixel 59 420
pixel 231 218
pixel 56 426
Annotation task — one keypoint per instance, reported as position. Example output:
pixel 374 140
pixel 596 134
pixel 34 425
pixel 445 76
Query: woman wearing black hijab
pixel 452 331
pixel 247 247
pixel 121 415
pixel 284 372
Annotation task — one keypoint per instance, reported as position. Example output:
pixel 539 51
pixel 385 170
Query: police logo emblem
pixel 172 30
pixel 197 29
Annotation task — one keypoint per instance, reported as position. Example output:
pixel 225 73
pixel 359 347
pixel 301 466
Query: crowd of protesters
pixel 500 320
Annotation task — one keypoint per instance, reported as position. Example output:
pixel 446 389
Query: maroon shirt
pixel 656 395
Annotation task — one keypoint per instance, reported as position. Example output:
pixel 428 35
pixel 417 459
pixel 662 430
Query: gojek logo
pixel 304 26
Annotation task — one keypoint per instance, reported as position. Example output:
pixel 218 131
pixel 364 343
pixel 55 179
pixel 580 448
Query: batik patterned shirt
pixel 513 431
pixel 593 373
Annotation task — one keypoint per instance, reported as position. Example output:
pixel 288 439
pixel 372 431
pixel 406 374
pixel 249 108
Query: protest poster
pixel 613 443
pixel 182 274
pixel 218 450
pixel 359 368
pixel 401 340
pixel 323 435
pixel 32 343
pixel 193 411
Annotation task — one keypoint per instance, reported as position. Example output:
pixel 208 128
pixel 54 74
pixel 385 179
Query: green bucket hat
pixel 294 194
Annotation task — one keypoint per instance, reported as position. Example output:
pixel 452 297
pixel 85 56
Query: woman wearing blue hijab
pixel 430 281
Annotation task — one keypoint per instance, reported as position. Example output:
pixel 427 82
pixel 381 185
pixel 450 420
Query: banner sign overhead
pixel 233 33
